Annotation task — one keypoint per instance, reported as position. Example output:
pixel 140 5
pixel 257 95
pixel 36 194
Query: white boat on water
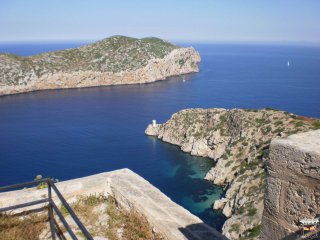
pixel 288 64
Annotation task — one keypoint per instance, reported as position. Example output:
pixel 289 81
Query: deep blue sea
pixel 77 132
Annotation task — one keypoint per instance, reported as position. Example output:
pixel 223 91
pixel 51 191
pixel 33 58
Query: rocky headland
pixel 238 141
pixel 112 61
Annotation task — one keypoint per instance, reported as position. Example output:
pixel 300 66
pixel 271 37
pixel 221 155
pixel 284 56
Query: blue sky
pixel 197 20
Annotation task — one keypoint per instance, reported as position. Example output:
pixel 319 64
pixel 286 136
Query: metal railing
pixel 52 207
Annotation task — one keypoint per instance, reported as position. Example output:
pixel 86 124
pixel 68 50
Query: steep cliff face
pixel 112 61
pixel 238 140
pixel 293 191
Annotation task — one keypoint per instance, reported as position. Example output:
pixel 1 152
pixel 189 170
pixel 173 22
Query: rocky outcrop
pixel 293 191
pixel 238 141
pixel 112 61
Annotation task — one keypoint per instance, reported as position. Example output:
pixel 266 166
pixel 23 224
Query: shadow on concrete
pixel 201 231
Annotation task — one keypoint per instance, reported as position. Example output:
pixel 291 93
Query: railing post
pixel 54 227
pixel 71 212
pixel 53 235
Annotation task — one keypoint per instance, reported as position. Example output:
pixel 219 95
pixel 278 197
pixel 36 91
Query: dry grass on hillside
pixel 27 227
pixel 101 215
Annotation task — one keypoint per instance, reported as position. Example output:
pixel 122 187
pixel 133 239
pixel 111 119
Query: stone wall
pixel 132 192
pixel 293 184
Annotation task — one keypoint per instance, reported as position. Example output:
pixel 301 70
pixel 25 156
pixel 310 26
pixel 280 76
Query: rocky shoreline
pixel 238 141
pixel 113 61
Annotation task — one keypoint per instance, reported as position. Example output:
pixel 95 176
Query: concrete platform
pixel 132 192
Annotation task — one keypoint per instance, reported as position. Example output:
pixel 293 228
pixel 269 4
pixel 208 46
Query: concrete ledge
pixel 132 192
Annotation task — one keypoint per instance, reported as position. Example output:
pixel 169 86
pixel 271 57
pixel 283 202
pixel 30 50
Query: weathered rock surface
pixel 293 191
pixel 238 141
pixel 112 61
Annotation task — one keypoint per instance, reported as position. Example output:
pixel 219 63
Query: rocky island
pixel 111 61
pixel 238 140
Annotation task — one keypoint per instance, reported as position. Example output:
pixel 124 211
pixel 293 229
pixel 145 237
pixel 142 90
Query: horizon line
pixel 183 41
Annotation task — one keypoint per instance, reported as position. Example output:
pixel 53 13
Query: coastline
pixel 238 141
pixel 97 86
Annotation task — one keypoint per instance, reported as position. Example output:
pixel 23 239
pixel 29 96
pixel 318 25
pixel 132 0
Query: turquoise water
pixel 77 132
